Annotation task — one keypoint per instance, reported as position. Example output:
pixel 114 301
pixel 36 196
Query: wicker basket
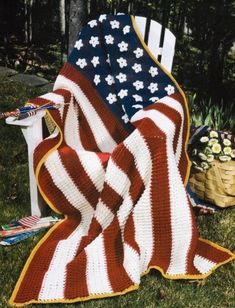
pixel 215 185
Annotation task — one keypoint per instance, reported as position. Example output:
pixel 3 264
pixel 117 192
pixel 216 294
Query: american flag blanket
pixel 116 166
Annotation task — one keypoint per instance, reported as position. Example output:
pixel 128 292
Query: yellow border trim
pixel 135 286
pixel 176 84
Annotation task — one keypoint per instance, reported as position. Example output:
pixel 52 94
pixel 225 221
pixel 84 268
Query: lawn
pixel 155 291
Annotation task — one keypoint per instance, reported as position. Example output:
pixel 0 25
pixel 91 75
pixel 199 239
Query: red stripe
pixel 31 283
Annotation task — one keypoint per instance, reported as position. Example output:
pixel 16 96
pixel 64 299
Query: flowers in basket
pixel 205 149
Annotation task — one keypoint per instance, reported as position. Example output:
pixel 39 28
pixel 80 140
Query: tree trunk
pixel 28 4
pixel 62 30
pixel 77 18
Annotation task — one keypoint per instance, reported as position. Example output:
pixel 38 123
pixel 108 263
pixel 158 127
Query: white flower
pixel 204 139
pixel 126 29
pixel 202 156
pixel 138 52
pixel 207 150
pixel 95 61
pixel 137 67
pixel 137 106
pixel 96 79
pixel 114 24
pixel 216 148
pixel 122 62
pixel 227 142
pixel 81 62
pixel 110 80
pixel 108 59
pixel 112 98
pixel 210 158
pixel 78 44
pixel 227 150
pixel 153 71
pixel 213 134
pixel 102 17
pixel 138 98
pixel 224 158
pixel 212 141
pixel 94 41
pixel 233 153
pixel 123 93
pixel 92 23
pixel 109 39
pixel 121 77
pixel 205 165
pixel 198 168
pixel 123 46
pixel 153 87
pixel 138 85
pixel 154 99
pixel 170 89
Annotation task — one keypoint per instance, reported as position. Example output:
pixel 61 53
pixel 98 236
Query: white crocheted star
pixel 109 39
pixel 122 62
pixel 138 85
pixel 108 59
pixel 94 41
pixel 153 87
pixel 102 17
pixel 96 79
pixel 154 99
pixel 137 106
pixel 95 61
pixel 126 29
pixel 114 24
pixel 121 77
pixel 153 71
pixel 110 80
pixel 78 44
pixel 138 52
pixel 123 93
pixel 92 23
pixel 112 98
pixel 170 89
pixel 137 67
pixel 138 98
pixel 81 62
pixel 123 46
pixel 125 118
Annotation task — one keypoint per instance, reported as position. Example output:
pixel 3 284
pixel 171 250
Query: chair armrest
pixel 30 121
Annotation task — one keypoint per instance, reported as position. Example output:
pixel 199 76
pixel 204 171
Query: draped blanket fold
pixel 116 167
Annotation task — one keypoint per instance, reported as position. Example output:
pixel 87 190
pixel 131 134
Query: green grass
pixel 155 291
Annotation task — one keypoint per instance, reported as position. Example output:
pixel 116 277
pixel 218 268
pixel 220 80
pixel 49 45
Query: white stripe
pixel 103 139
pixel 178 107
pixel 103 215
pixel 181 224
pixel 97 273
pixel 54 280
pixel 142 215
pixel 71 128
pixel 57 99
pixel 203 265
pixel 116 178
pixel 136 144
pixel 131 263
pixel 63 181
pixel 93 167
pixel 124 211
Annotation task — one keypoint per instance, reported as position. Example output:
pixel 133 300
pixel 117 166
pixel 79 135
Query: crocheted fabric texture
pixel 116 168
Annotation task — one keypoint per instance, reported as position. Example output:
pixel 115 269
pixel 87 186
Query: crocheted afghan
pixel 116 167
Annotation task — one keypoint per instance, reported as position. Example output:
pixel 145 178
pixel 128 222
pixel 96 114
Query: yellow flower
pixel 212 141
pixel 224 158
pixel 204 139
pixel 213 134
pixel 233 153
pixel 210 158
pixel 216 148
pixel 227 142
pixel 227 150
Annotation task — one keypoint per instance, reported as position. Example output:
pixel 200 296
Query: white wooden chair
pixel 32 126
